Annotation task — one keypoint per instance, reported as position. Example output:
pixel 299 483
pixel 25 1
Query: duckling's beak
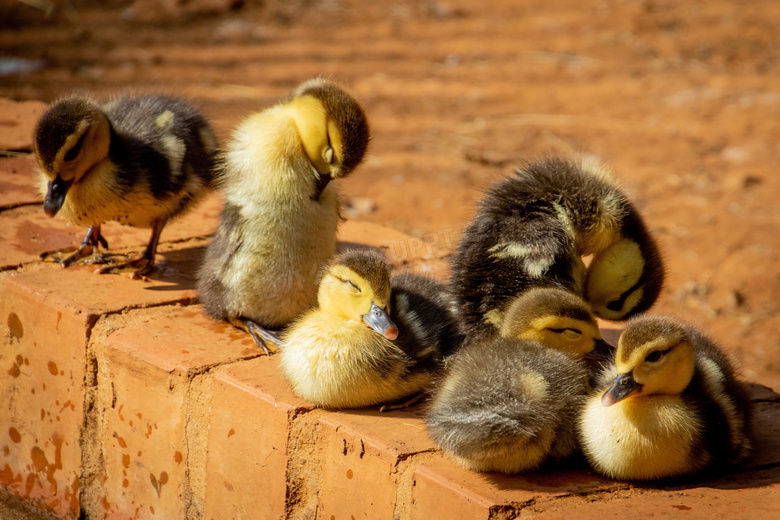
pixel 623 386
pixel 55 196
pixel 378 320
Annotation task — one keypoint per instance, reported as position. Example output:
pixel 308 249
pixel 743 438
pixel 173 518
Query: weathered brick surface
pixel 360 452
pixel 41 395
pixel 18 182
pixel 47 318
pixel 443 485
pixel 251 412
pixel 151 419
pixel 18 124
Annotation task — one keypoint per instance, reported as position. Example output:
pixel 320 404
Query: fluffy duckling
pixel 278 226
pixel 137 160
pixel 674 406
pixel 373 339
pixel 533 229
pixel 510 402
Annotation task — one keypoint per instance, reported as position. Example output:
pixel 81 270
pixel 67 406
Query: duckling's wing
pixel 426 314
pixel 165 143
pixel 500 258
pixel 227 240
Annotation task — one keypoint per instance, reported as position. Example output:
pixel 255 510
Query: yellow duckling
pixel 373 339
pixel 510 402
pixel 137 160
pixel 533 229
pixel 278 226
pixel 674 406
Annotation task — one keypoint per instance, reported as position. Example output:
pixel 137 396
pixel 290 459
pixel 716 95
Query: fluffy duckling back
pixel 510 402
pixel 674 406
pixel 137 160
pixel 278 226
pixel 533 229
pixel 373 339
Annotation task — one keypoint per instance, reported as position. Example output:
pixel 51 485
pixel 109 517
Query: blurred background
pixel 682 99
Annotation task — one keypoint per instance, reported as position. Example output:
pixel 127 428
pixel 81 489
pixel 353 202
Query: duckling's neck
pixel 265 160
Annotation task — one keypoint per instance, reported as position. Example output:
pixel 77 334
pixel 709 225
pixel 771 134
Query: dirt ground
pixel 682 99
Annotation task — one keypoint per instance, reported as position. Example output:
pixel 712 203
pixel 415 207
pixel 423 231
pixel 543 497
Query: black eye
pixel 654 356
pixel 615 305
pixel 74 152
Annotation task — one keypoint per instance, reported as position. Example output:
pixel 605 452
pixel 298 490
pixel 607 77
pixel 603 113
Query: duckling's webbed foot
pixel 264 338
pixel 74 254
pixel 135 268
pixel 141 265
pixel 405 403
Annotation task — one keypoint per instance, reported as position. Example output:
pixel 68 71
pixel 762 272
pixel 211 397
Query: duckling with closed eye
pixel 533 229
pixel 509 402
pixel 278 226
pixel 137 160
pixel 373 339
pixel 674 406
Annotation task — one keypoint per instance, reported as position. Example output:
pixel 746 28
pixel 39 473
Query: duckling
pixel 137 160
pixel 278 225
pixel 532 230
pixel 373 339
pixel 674 406
pixel 509 402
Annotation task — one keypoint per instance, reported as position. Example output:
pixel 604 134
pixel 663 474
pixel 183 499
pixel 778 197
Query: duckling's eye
pixel 654 356
pixel 74 152
pixel 615 305
pixel 327 154
pixel 568 333
pixel 350 282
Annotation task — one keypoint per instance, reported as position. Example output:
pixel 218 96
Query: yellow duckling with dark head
pixel 278 226
pixel 674 406
pixel 510 402
pixel 373 339
pixel 137 160
pixel 533 229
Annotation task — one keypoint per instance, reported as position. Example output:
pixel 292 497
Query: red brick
pixel 48 315
pixel 697 503
pixel 443 485
pixel 249 421
pixel 43 359
pixel 359 452
pixel 18 124
pixel 19 182
pixel 146 371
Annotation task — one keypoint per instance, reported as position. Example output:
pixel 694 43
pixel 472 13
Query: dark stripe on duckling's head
pixel 369 264
pixel 547 301
pixel 61 121
pixel 644 330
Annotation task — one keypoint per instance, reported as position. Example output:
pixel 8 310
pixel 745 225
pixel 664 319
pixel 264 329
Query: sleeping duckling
pixel 674 406
pixel 532 229
pixel 140 161
pixel 510 402
pixel 278 226
pixel 373 339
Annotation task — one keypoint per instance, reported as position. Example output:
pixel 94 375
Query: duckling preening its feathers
pixel 278 226
pixel 669 406
pixel 373 339
pixel 137 160
pixel 510 402
pixel 532 230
